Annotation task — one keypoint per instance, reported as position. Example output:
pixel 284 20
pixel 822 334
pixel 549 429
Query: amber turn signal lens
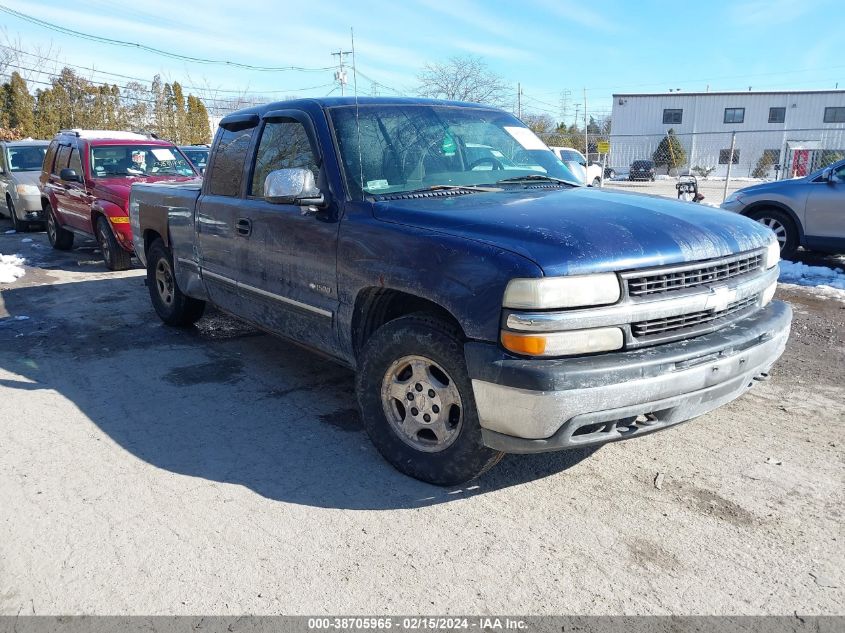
pixel 521 344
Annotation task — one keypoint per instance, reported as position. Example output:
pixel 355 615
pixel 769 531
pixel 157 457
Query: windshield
pixel 409 147
pixel 29 158
pixel 138 160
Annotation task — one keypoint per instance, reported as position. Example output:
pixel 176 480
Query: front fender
pixel 467 278
pixel 118 220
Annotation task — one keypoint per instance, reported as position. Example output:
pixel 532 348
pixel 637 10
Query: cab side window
pixel 227 162
pixel 284 145
pixel 61 159
pixel 76 163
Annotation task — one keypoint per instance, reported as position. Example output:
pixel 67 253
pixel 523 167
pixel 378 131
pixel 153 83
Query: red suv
pixel 85 185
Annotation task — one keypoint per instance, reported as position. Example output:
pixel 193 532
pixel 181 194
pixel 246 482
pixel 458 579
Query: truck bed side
pixel 164 210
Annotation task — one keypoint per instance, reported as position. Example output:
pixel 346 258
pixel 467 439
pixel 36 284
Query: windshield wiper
pixel 473 188
pixel 530 177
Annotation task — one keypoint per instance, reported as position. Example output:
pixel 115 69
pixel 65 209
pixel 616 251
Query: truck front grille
pixel 690 320
pixel 643 283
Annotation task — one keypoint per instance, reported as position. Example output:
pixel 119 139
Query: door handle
pixel 244 226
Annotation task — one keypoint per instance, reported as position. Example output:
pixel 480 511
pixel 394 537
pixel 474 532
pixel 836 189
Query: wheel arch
pixel 375 306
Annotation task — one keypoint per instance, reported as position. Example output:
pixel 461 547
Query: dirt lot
pixel 146 470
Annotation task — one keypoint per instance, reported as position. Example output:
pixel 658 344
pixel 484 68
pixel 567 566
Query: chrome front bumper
pixel 527 406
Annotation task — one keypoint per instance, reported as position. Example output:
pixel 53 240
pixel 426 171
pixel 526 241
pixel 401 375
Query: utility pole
pixel 340 73
pixel 586 138
pixel 518 100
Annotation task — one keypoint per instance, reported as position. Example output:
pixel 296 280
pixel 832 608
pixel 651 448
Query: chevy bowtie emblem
pixel 719 298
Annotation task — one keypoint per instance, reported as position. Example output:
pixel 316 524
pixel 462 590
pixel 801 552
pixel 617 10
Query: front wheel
pixel 19 225
pixel 114 256
pixel 596 182
pixel 170 303
pixel 782 226
pixel 417 403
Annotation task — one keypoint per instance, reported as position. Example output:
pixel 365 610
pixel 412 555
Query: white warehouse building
pixel 775 134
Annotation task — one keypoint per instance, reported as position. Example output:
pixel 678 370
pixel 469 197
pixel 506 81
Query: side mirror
pixel 69 175
pixel 828 176
pixel 292 186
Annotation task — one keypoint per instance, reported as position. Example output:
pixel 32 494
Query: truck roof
pixel 332 102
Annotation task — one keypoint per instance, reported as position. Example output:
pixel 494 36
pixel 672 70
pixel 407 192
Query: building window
pixel 734 115
pixel 723 156
pixel 834 115
pixel 673 116
pixel 777 115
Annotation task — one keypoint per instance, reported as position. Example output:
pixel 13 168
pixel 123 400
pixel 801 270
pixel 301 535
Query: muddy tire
pixel 782 226
pixel 170 303
pixel 114 256
pixel 59 238
pixel 417 403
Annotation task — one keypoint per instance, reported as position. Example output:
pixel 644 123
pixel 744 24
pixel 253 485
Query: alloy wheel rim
pixel 104 243
pixel 51 226
pixel 777 228
pixel 164 282
pixel 422 403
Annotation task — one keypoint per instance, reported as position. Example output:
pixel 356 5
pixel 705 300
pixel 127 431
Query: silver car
pixel 808 212
pixel 20 167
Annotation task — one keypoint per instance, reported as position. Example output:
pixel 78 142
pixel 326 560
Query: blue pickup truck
pixel 487 302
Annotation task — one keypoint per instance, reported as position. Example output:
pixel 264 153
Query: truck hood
pixel 583 230
pixel 116 190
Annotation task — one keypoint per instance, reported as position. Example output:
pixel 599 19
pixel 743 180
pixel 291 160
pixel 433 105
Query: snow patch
pixel 827 282
pixel 11 268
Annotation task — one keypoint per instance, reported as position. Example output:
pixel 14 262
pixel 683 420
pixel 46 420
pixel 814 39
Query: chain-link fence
pixel 721 161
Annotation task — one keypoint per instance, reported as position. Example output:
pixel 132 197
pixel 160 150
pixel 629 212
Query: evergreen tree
pixel 17 106
pixel 180 132
pixel 196 117
pixel 670 152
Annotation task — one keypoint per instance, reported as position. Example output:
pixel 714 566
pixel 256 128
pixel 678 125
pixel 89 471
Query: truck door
pixel 221 241
pixel 290 273
pixel 77 200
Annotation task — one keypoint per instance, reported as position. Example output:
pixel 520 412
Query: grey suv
pixel 808 212
pixel 20 167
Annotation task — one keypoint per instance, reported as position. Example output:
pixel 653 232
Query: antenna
pixel 357 120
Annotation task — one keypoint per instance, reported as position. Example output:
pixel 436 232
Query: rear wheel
pixel 114 256
pixel 782 226
pixel 417 403
pixel 596 182
pixel 60 239
pixel 170 303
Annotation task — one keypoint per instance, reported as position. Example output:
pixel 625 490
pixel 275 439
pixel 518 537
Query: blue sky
pixel 549 46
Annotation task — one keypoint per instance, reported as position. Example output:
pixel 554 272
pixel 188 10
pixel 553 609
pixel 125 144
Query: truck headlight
pixel 772 254
pixel 27 190
pixel 603 339
pixel 562 292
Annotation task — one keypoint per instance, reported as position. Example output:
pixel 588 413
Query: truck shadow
pixel 221 401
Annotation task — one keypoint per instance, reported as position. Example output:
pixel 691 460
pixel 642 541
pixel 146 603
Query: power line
pixel 149 81
pixel 197 60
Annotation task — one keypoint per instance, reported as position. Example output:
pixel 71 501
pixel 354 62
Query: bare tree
pixel 463 78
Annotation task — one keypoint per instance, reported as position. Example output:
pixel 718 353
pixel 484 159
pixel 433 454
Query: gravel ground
pixel 146 470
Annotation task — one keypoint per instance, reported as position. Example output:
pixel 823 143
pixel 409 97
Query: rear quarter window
pixel 226 165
